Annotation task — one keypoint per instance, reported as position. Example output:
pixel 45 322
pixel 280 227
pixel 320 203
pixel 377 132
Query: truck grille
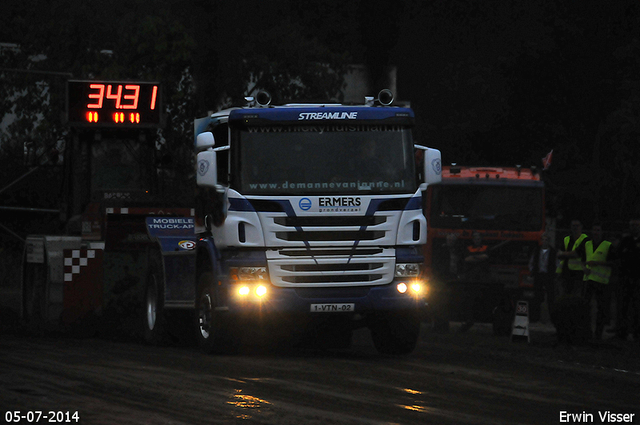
pixel 328 231
pixel 338 268
pixel 329 221
pixel 330 250
pixel 359 225
pixel 330 236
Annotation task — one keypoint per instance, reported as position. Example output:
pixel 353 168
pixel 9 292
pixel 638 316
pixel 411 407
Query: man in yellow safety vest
pixel 571 267
pixel 599 261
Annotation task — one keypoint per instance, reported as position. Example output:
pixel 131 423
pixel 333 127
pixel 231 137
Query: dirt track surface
pixel 471 378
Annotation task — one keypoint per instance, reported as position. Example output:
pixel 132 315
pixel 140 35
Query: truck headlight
pixel 415 288
pixel 409 283
pixel 249 282
pixel 248 274
pixel 261 291
pixel 407 270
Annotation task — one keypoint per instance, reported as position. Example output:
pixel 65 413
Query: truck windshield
pixel 486 207
pixel 326 159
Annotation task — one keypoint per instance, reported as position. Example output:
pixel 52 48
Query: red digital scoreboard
pixel 114 104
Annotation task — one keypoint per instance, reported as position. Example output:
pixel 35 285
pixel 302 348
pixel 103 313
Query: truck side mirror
pixel 432 167
pixel 205 141
pixel 432 171
pixel 207 172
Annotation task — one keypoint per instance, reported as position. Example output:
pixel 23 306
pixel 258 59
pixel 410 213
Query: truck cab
pixel 310 213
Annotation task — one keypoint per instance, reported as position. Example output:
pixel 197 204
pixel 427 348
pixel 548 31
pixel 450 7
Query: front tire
pixel 396 333
pixel 154 323
pixel 213 331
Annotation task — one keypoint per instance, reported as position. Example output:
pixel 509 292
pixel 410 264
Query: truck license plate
pixel 332 308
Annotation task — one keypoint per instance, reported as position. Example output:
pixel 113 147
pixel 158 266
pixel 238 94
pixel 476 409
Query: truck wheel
pixel 396 333
pixel 154 326
pixel 213 331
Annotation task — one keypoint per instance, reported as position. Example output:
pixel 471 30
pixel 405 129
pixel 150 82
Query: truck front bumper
pixel 322 301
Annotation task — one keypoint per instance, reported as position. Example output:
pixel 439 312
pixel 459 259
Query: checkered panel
pixel 78 259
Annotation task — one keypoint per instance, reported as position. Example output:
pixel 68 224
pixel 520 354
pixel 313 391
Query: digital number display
pixel 113 104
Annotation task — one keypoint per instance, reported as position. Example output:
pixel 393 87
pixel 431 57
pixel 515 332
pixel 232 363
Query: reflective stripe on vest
pixel 600 274
pixel 574 263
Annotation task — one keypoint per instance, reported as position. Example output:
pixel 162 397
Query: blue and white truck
pixel 310 216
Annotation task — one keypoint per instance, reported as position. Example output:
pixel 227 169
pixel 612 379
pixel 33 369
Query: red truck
pixel 505 207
